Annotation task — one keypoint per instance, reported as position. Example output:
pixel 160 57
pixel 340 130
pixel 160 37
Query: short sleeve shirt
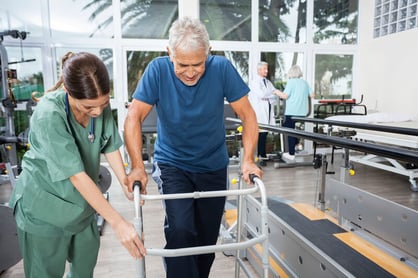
pixel 190 127
pixel 298 91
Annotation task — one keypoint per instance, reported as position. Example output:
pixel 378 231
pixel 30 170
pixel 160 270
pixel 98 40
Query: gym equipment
pixel 105 180
pixel 9 103
pixel 342 106
pixel 394 135
pixel 9 244
pixel 349 236
pixel 306 242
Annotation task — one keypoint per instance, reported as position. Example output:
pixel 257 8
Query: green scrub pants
pixel 46 257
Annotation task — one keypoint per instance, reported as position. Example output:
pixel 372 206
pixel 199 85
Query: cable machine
pixel 9 251
pixel 8 105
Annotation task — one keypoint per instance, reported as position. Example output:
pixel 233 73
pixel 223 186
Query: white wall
pixel 387 66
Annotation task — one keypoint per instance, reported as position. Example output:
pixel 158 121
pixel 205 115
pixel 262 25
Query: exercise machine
pixel 346 233
pixel 9 102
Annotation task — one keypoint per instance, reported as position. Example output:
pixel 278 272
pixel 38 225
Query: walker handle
pixel 253 177
pixel 137 183
pixel 140 264
pixel 137 196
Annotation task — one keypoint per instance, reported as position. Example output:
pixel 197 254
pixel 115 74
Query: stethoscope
pixel 91 136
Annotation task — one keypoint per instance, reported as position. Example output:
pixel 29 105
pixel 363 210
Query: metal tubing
pixel 239 217
pixel 385 151
pixel 199 194
pixel 204 249
pixel 260 239
pixel 140 264
pixel 264 226
pixel 383 128
pixel 323 178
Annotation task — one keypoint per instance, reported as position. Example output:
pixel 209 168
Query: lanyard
pixel 90 137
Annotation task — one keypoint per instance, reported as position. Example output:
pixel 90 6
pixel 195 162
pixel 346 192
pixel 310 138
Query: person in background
pixel 188 88
pixel 56 196
pixel 262 99
pixel 296 93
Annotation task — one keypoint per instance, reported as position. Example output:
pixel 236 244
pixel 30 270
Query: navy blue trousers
pixel 262 141
pixel 292 141
pixel 190 222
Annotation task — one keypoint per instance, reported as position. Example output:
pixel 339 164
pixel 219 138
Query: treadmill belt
pixel 320 233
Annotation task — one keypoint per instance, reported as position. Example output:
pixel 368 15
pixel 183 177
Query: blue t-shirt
pixel 298 91
pixel 190 128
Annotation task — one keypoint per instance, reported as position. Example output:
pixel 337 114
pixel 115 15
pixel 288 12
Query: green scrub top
pixel 44 199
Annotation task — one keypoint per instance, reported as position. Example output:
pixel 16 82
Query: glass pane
pixel 14 17
pixel 279 64
pixel 335 21
pixel 137 62
pixel 333 76
pixel 105 54
pixel 148 19
pixel 227 20
pixel 282 21
pixel 81 18
pixel 27 62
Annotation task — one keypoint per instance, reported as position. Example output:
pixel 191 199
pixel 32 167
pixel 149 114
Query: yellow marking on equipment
pixel 367 249
pixel 273 264
pixel 230 217
pixel 312 213
pixel 370 251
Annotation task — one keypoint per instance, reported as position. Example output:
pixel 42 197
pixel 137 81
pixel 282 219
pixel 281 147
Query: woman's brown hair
pixel 84 76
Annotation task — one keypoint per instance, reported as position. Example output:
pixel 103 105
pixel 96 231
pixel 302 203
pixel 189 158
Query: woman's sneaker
pixel 288 157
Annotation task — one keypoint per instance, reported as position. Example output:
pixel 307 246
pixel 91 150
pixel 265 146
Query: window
pixel 105 54
pixel 279 65
pixel 27 62
pixel 137 61
pixel 128 34
pixel 333 76
pixel 335 22
pixel 283 22
pixel 147 19
pixel 81 18
pixel 392 16
pixel 14 17
pixel 227 20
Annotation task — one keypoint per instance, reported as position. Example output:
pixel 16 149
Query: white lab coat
pixel 260 96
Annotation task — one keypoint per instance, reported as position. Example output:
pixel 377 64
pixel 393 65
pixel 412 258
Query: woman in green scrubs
pixel 56 195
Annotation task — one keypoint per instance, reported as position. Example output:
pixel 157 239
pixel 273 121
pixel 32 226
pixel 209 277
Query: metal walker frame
pixel 261 238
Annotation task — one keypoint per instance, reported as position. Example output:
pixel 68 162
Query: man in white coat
pixel 262 98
